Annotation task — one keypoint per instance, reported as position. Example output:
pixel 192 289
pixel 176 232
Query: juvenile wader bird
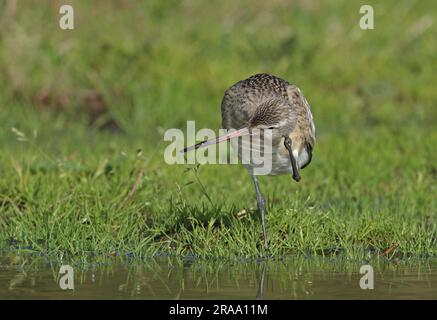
pixel 266 102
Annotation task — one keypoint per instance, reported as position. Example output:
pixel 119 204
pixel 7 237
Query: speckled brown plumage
pixel 243 98
pixel 264 101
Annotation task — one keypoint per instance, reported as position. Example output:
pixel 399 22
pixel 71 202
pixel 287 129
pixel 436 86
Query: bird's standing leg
pixel 261 207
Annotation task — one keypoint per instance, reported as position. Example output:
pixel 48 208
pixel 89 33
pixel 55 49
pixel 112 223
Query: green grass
pixel 71 188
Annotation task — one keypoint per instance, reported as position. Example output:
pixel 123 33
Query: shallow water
pixel 32 276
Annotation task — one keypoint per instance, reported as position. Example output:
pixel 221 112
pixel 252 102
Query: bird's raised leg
pixel 261 208
pixel 287 144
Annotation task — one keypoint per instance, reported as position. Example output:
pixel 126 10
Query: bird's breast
pixel 277 158
pixel 281 163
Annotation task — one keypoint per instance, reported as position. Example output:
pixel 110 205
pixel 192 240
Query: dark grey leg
pixel 261 207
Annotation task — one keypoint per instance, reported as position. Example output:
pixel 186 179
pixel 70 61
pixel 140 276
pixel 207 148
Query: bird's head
pixel 276 115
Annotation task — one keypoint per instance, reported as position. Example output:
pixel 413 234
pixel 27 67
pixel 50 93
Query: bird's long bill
pixel 225 137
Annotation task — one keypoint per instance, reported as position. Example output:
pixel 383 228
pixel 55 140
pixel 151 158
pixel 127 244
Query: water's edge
pixel 25 275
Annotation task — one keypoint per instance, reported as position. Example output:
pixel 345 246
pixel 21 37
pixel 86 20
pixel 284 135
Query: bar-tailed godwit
pixel 266 102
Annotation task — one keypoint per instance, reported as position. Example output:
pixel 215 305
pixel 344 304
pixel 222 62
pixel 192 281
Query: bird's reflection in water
pixel 262 274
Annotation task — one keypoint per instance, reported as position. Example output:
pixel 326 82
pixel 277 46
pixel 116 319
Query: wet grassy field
pixel 83 114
